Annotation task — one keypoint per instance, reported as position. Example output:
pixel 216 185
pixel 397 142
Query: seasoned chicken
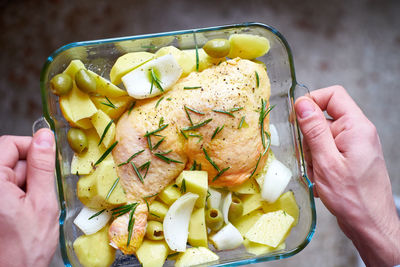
pixel 198 121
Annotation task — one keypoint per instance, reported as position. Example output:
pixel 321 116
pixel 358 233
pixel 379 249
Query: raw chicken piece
pixel 230 87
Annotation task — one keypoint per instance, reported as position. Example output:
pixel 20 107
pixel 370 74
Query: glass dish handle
pixel 39 124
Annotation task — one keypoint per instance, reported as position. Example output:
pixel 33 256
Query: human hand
pixel 345 161
pixel 28 218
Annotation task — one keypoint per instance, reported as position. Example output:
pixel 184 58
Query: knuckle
pixel 42 163
pixel 314 132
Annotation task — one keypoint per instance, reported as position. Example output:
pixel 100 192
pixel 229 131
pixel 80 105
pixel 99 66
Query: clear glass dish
pixel 100 55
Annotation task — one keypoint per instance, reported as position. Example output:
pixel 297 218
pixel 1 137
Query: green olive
pixel 217 48
pixel 154 230
pixel 61 84
pixel 85 81
pixel 214 219
pixel 236 208
pixel 77 140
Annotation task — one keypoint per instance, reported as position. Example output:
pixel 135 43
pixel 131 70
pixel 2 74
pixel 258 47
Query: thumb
pixel 315 129
pixel 40 167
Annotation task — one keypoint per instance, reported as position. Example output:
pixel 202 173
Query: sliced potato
pixel 286 202
pixel 258 249
pixel 101 121
pixel 195 182
pixel 197 229
pixel 248 187
pixel 94 250
pixel 196 256
pixel 244 223
pixel 157 211
pixel 73 67
pixel 127 63
pixel 248 46
pixel 169 194
pixel 271 229
pixel 106 88
pixel 251 202
pixel 83 163
pixel 121 104
pixel 152 253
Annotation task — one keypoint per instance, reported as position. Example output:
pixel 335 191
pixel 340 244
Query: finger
pixel 9 191
pixel 315 130
pixel 20 173
pixel 336 101
pixel 15 147
pixel 40 168
pixel 309 166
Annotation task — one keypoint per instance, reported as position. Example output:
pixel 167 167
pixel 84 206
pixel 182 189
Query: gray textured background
pixel 354 43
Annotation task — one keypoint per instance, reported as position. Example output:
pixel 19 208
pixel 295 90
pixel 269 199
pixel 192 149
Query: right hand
pixel 345 161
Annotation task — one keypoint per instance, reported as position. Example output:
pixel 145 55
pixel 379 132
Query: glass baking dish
pixel 100 55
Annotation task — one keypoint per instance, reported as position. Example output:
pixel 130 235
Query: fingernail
pixel 305 108
pixel 44 139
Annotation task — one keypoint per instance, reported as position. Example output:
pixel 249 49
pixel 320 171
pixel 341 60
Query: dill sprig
pixel 105 154
pixel 137 172
pixel 130 158
pixel 196 126
pixel 197 51
pixel 191 87
pixel 257 80
pixel 158 102
pixel 210 160
pixel 220 173
pixel 156 131
pixel 96 214
pixel 131 107
pixel 109 104
pixel 183 186
pixel 155 80
pixel 168 160
pixel 217 130
pixel 112 188
pixel 241 122
pixel 105 131
pixel 194 110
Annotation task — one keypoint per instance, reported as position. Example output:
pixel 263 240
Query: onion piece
pixel 275 181
pixel 214 199
pixel 274 135
pixel 225 206
pixel 176 222
pixel 227 238
pixel 93 225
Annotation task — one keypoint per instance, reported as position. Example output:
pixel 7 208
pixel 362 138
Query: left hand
pixel 28 204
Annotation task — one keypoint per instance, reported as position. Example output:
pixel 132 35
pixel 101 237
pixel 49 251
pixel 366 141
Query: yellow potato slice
pixel 248 46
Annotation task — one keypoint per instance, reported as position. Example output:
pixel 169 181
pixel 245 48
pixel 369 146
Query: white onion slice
pixel 93 225
pixel 274 135
pixel 275 181
pixel 225 206
pixel 176 222
pixel 227 238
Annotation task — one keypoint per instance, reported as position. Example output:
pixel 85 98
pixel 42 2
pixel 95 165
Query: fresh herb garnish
pixel 105 131
pixel 229 112
pixel 241 122
pixel 158 143
pixel 197 51
pixel 109 104
pixel 169 99
pixel 210 160
pixel 235 109
pixel 195 111
pixel 130 158
pixel 184 135
pixel 196 125
pixel 257 80
pixel 156 131
pixel 96 214
pixel 208 195
pixel 158 102
pixel 168 160
pixel 156 80
pixel 217 130
pixel 193 168
pixel 220 173
pixel 105 154
pixel 155 215
pixel 137 172
pixel 196 135
pixel 130 225
pixel 254 171
pixel 191 87
pixel 121 210
pixel 131 107
pixel 145 166
pixel 187 113
pixel 147 203
pixel 269 142
pixel 112 188
pixel 263 114
pixel 148 137
pixel 183 186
